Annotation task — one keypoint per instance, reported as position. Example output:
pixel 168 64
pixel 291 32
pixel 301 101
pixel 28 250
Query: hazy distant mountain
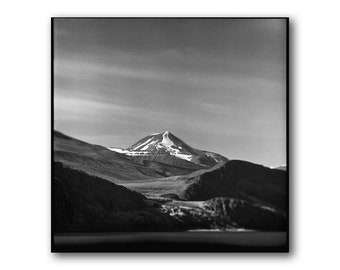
pixel 282 168
pixel 167 148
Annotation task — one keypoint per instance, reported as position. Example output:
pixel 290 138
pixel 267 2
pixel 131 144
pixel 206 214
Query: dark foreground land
pixel 208 241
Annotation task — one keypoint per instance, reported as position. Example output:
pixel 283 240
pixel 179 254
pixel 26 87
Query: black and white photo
pixel 170 135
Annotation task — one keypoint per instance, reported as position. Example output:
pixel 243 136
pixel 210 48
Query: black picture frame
pixel 162 245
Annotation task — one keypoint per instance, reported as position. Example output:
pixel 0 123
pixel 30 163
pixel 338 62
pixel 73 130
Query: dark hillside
pixel 85 203
pixel 238 179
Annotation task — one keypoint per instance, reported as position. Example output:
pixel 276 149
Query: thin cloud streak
pixel 238 84
pixel 231 72
pixel 71 106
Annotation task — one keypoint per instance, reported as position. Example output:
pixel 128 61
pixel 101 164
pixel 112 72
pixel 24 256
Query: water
pixel 173 241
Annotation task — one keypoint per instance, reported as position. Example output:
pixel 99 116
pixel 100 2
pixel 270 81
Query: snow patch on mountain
pixel 169 145
pixel 128 152
pixel 144 143
pixel 118 150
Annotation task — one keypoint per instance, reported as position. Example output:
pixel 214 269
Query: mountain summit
pixel 165 144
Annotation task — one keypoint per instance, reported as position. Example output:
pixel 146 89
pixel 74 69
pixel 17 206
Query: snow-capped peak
pixel 165 143
pixel 158 143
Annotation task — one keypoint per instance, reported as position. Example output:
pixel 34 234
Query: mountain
pixel 97 160
pixel 167 148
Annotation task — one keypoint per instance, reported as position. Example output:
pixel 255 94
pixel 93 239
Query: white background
pixel 25 133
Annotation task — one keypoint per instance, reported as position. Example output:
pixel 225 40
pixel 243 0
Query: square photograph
pixel 169 134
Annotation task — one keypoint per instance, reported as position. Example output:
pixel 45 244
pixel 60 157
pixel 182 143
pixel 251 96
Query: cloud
pixel 214 108
pixel 70 108
pixel 73 68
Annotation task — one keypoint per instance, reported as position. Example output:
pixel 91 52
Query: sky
pixel 218 84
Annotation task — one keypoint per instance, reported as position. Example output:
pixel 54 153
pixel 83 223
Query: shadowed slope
pixel 85 203
pixel 238 179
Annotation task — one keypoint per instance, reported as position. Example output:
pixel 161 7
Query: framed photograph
pixel 170 134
